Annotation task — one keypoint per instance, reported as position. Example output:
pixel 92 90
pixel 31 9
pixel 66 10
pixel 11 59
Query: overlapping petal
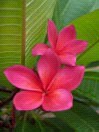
pixel 58 100
pixel 65 45
pixel 75 46
pixel 68 58
pixel 23 78
pixel 52 33
pixel 28 100
pixel 68 78
pixel 65 35
pixel 39 49
pixel 48 66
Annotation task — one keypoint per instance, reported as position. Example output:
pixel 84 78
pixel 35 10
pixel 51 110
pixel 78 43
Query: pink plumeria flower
pixel 50 88
pixel 65 45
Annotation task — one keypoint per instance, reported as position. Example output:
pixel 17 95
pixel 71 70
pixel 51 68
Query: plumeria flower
pixel 64 44
pixel 50 88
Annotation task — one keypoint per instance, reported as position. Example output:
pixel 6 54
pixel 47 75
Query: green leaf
pixel 25 124
pixel 89 88
pixel 93 69
pixel 93 64
pixel 58 125
pixel 96 5
pixel 26 127
pixel 81 118
pixel 69 10
pixel 35 124
pixel 22 24
pixel 87 29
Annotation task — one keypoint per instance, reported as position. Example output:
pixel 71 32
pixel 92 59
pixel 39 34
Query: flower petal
pixel 39 49
pixel 48 66
pixel 23 78
pixel 52 33
pixel 68 78
pixel 65 35
pixel 68 59
pixel 26 100
pixel 58 100
pixel 76 46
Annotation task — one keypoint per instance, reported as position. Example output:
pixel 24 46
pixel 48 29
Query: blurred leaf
pixel 3 96
pixel 26 127
pixel 22 25
pixel 96 5
pixel 81 118
pixel 4 93
pixel 89 88
pixel 58 125
pixel 87 28
pixel 3 130
pixel 93 64
pixel 69 10
pixel 94 69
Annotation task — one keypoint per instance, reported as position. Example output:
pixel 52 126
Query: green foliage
pixel 58 124
pixel 86 23
pixel 22 25
pixel 81 118
pixel 69 10
pixel 87 26
pixel 89 88
pixel 38 125
pixel 26 126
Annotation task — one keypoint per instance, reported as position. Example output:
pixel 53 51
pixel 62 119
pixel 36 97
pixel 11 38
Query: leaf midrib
pixel 23 32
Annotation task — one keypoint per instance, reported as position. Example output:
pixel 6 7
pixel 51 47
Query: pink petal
pixel 39 49
pixel 52 33
pixel 23 78
pixel 76 46
pixel 68 59
pixel 58 100
pixel 26 100
pixel 48 66
pixel 68 78
pixel 65 35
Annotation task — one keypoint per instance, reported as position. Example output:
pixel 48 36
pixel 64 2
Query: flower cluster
pixel 51 86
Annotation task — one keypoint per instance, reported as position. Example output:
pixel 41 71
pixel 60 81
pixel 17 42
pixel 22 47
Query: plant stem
pixel 2 104
pixel 25 117
pixel 37 119
pixel 5 90
pixel 13 116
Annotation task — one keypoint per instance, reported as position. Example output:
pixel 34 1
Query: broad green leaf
pixel 22 24
pixel 89 88
pixel 87 28
pixel 81 118
pixel 69 10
